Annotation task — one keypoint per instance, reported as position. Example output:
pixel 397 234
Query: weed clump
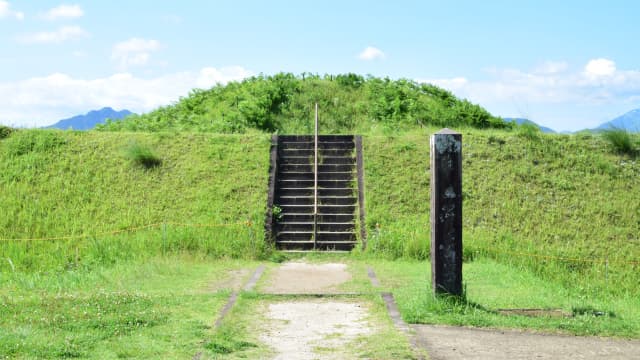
pixel 143 155
pixel 529 131
pixel 24 142
pixel 5 131
pixel 621 141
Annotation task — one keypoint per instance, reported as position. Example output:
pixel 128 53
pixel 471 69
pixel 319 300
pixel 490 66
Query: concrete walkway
pixel 453 343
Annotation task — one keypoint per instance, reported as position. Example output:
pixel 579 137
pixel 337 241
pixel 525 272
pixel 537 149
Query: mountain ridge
pixel 629 121
pixel 521 121
pixel 89 120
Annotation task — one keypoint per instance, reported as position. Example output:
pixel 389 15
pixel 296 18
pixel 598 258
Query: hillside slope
pixel 548 196
pixel 59 183
pixel 283 102
pixel 527 201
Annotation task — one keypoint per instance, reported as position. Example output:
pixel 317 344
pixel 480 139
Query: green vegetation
pixel 143 155
pixel 284 103
pixel 622 141
pixel 163 307
pixel 134 222
pixel 5 131
pixel 562 206
pixel 80 188
pixel 491 287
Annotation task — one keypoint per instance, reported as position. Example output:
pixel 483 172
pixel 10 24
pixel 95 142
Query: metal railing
pixel 315 182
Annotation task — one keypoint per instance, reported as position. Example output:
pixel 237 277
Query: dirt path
pixel 312 328
pixel 304 327
pixel 304 278
pixel 301 330
pixel 453 343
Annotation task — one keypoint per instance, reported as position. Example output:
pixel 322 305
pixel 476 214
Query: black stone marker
pixel 446 212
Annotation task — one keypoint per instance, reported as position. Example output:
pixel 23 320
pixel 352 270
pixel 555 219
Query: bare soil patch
pixel 314 329
pixel 453 343
pixel 305 278
pixel 233 281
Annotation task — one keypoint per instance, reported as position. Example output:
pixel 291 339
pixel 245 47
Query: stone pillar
pixel 446 212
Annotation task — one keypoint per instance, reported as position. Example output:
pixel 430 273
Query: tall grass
pixel 527 203
pixel 142 155
pixel 59 184
pixel 621 141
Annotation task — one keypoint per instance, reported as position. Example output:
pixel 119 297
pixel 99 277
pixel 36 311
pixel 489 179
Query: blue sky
pixel 568 65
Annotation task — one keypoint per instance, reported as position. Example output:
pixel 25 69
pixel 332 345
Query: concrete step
pixel 321 192
pixel 294 175
pixel 322 236
pixel 307 138
pixel 308 226
pixel 321 167
pixel 321 145
pixel 325 160
pixel 311 152
pixel 309 200
pixel 308 217
pixel 307 246
pixel 322 184
pixel 322 209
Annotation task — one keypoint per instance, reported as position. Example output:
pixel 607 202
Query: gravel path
pixel 321 328
pixel 453 343
pixel 318 329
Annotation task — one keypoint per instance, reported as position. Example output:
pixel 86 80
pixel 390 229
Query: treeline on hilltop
pixel 285 103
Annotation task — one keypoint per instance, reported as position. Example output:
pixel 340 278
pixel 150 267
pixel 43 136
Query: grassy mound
pixel 283 102
pixel 90 189
pixel 564 206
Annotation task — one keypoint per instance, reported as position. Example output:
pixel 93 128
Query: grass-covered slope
pixel 57 184
pixel 283 102
pixel 565 206
pixel 528 200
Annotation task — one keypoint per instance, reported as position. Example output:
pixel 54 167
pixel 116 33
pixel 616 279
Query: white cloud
pixel 44 100
pixel 371 53
pixel 64 12
pixel 134 52
pixel 600 67
pixel 551 67
pixel 54 37
pixel 210 76
pixel 6 12
pixel 540 93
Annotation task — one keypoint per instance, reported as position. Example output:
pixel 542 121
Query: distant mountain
pixel 90 120
pixel 629 121
pixel 521 121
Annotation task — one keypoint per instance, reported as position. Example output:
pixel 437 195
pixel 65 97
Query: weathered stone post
pixel 446 212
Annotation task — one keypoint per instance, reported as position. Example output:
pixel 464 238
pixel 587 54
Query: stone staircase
pixel 295 226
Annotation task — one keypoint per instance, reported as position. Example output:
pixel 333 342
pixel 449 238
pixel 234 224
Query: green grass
pixel 164 307
pixel 622 141
pixel 491 286
pixel 81 184
pixel 549 221
pixel 143 155
pixel 283 103
pixel 563 206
